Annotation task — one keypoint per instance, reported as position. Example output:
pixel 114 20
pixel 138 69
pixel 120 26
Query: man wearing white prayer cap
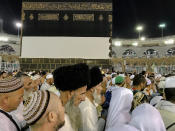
pixel 132 77
pixel 119 108
pixel 167 107
pixel 48 83
pixel 11 95
pixel 147 118
pixel 148 91
pixel 43 111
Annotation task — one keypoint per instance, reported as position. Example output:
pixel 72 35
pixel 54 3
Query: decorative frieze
pixel 83 17
pixel 67 6
pixel 53 17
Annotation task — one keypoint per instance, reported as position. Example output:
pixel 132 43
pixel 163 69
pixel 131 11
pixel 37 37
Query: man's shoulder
pixel 6 124
pixel 168 114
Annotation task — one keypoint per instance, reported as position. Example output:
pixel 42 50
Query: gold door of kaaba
pixel 86 18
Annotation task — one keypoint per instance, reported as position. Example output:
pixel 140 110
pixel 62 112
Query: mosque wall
pixel 140 50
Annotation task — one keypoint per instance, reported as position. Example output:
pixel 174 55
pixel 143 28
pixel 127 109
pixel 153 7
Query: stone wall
pixel 49 64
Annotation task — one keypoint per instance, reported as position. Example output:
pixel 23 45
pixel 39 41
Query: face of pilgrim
pixel 60 115
pixel 80 95
pixel 98 94
pixel 27 83
pixel 15 98
pixel 143 85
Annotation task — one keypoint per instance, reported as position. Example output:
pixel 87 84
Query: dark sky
pixel 127 14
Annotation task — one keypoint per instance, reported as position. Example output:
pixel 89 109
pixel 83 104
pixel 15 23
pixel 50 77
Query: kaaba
pixel 62 32
pixel 83 18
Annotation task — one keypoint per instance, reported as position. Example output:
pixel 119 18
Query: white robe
pixel 6 124
pixel 90 121
pixel 167 111
pixel 67 126
pixel 147 118
pixel 122 127
pixel 119 108
pixel 168 118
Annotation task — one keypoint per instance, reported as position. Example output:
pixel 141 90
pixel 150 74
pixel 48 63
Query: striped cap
pixel 10 84
pixel 35 106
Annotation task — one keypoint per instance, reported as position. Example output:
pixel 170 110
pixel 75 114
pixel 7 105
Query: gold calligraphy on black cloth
pixel 83 17
pixel 54 17
pixel 65 6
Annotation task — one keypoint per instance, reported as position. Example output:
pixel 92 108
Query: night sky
pixel 127 14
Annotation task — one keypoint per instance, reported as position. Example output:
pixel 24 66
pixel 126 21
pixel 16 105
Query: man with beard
pixel 72 82
pixel 88 109
pixel 43 111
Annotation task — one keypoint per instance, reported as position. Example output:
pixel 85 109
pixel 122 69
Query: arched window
pixel 7 49
pixel 170 52
pixel 129 53
pixel 151 53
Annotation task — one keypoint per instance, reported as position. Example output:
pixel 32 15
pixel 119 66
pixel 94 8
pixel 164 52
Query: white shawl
pixel 119 108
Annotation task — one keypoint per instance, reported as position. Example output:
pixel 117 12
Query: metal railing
pixel 10 67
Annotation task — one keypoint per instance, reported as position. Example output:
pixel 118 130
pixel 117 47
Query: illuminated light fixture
pixel 169 42
pixel 135 44
pixel 4 39
pixel 163 25
pixel 139 28
pixel 18 25
pixel 118 43
pixel 142 38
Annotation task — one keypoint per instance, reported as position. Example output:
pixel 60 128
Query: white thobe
pixel 90 121
pixel 6 124
pixel 167 111
pixel 67 126
pixel 168 118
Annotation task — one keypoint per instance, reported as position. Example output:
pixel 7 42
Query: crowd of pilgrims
pixel 80 98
